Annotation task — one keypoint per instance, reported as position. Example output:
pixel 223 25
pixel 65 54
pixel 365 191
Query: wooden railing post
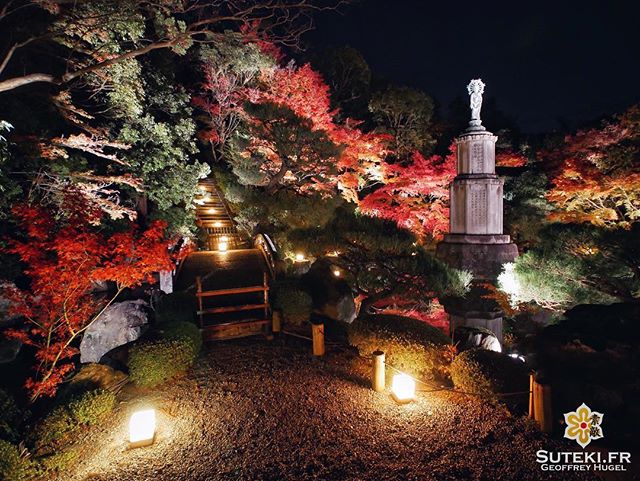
pixel 377 372
pixel 199 291
pixel 317 334
pixel 276 321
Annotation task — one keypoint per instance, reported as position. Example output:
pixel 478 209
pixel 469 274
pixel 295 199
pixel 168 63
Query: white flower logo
pixel 583 425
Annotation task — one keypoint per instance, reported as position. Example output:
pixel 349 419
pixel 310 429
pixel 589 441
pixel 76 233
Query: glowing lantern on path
pixel 223 246
pixel 300 257
pixel 403 388
pixel 336 272
pixel 142 428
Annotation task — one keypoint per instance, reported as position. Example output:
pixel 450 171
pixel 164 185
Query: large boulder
pixel 468 337
pixel 332 296
pixel 119 324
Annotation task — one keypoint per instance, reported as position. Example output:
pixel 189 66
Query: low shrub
pixel 488 373
pixel 58 424
pixel 176 307
pixel 409 344
pixel 92 407
pixel 59 462
pixel 11 417
pixel 294 303
pixel 81 409
pixel 14 466
pixel 155 362
pixel 183 331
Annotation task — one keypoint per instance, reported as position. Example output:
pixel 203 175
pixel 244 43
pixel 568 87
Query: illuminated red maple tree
pixel 595 174
pixel 63 260
pixel 415 196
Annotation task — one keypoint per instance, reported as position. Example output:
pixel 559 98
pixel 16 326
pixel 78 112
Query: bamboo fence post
pixel 276 321
pixel 378 374
pixel 531 381
pixel 265 284
pixel 317 334
pixel 542 406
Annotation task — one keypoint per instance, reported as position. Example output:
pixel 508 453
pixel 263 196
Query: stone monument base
pixel 484 255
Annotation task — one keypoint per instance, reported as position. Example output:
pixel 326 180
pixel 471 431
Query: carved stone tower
pixel 476 241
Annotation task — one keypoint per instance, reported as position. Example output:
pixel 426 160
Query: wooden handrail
pixel 220 310
pixel 235 290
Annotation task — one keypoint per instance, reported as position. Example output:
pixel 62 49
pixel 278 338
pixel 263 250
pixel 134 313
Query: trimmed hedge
pixel 488 373
pixel 295 304
pixel 155 362
pixel 13 466
pixel 409 344
pixel 183 331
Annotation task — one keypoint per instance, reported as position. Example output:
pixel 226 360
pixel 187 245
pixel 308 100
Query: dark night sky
pixel 542 60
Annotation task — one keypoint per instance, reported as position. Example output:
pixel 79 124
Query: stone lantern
pixel 476 241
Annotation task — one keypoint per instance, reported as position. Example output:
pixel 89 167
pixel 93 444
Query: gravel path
pixel 253 410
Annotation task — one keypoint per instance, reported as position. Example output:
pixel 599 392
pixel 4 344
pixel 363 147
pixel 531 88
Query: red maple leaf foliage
pixel 595 174
pixel 304 91
pixel 509 158
pixel 415 196
pixel 63 259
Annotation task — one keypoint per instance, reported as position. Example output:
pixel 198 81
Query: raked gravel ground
pixel 253 410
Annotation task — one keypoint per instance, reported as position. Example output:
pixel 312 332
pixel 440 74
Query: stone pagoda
pixel 476 241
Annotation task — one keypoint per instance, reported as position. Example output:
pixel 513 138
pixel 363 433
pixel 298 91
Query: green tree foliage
pixel 406 114
pixel 574 264
pixel 161 136
pixel 380 260
pixel 283 151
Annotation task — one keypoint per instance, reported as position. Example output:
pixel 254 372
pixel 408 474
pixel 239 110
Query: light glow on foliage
pixel 508 282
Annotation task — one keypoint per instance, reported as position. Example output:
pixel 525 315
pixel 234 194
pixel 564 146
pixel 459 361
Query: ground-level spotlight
pixel 223 246
pixel 300 257
pixel 336 272
pixel 142 428
pixel 403 388
pixel 517 356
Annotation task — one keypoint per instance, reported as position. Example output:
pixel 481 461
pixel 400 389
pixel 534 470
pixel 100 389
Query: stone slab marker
pixel 476 241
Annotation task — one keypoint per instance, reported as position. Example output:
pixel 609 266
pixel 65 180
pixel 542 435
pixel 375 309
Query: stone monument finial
pixel 475 89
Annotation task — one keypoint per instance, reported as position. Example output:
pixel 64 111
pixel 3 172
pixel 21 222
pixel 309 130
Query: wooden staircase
pixel 230 276
pixel 214 218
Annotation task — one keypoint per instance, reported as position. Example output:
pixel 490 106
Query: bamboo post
pixel 317 334
pixel 199 297
pixel 265 284
pixel 377 374
pixel 531 381
pixel 542 406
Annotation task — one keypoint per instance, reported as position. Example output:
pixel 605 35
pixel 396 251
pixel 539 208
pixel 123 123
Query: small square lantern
pixel 403 388
pixel 142 428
